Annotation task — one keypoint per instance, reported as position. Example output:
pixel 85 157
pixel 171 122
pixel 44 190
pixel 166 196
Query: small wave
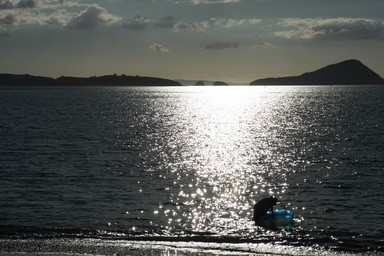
pixel 129 247
pixel 264 241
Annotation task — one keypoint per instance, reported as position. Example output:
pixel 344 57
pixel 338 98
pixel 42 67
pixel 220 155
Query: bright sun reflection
pixel 221 149
pixel 221 136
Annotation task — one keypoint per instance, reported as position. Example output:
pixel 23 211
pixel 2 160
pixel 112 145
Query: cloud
pixel 13 4
pixel 332 29
pixel 158 48
pixel 54 13
pixel 6 5
pixel 92 17
pixel 229 23
pixel 200 26
pixel 262 45
pixel 59 18
pixel 137 23
pixel 15 17
pixel 26 4
pixel 208 1
pixel 23 4
pixel 166 22
pixel 193 26
pixel 195 2
pixel 79 15
pixel 8 19
pixel 221 45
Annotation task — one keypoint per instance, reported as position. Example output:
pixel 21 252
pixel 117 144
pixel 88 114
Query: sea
pixel 177 170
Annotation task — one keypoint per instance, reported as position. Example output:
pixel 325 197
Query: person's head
pixel 274 200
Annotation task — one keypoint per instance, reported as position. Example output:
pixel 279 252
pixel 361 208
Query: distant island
pixel 108 80
pixel 201 82
pixel 349 72
pixel 220 83
pixel 216 83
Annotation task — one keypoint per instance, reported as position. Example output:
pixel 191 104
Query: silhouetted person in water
pixel 261 208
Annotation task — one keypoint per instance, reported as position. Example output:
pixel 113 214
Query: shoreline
pixel 99 247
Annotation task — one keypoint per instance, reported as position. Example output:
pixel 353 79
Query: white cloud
pixel 158 48
pixel 225 23
pixel 54 12
pixel 193 26
pixel 14 17
pixel 229 23
pixel 332 29
pixel 137 23
pixel 299 33
pixel 79 15
pixel 92 17
pixel 59 18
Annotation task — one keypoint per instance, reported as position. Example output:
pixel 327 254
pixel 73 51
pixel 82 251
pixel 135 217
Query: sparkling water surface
pixel 190 162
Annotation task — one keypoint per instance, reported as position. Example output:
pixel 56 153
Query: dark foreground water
pixel 102 169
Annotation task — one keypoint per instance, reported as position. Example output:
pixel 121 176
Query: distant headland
pixel 203 83
pixel 108 80
pixel 349 72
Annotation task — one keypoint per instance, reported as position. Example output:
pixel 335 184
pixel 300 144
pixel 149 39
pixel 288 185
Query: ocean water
pixel 108 169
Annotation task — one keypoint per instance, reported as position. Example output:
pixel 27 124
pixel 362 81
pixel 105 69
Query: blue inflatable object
pixel 280 219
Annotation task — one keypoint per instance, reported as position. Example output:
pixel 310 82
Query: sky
pixel 235 41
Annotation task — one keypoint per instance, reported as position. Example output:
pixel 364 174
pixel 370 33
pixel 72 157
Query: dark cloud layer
pixel 20 4
pixel 23 4
pixel 8 20
pixel 26 4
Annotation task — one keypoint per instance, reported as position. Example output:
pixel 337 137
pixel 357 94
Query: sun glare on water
pixel 222 156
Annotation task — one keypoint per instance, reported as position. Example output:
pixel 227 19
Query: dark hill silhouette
pixel 349 72
pixel 10 79
pixel 220 83
pixel 114 80
pixel 108 80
